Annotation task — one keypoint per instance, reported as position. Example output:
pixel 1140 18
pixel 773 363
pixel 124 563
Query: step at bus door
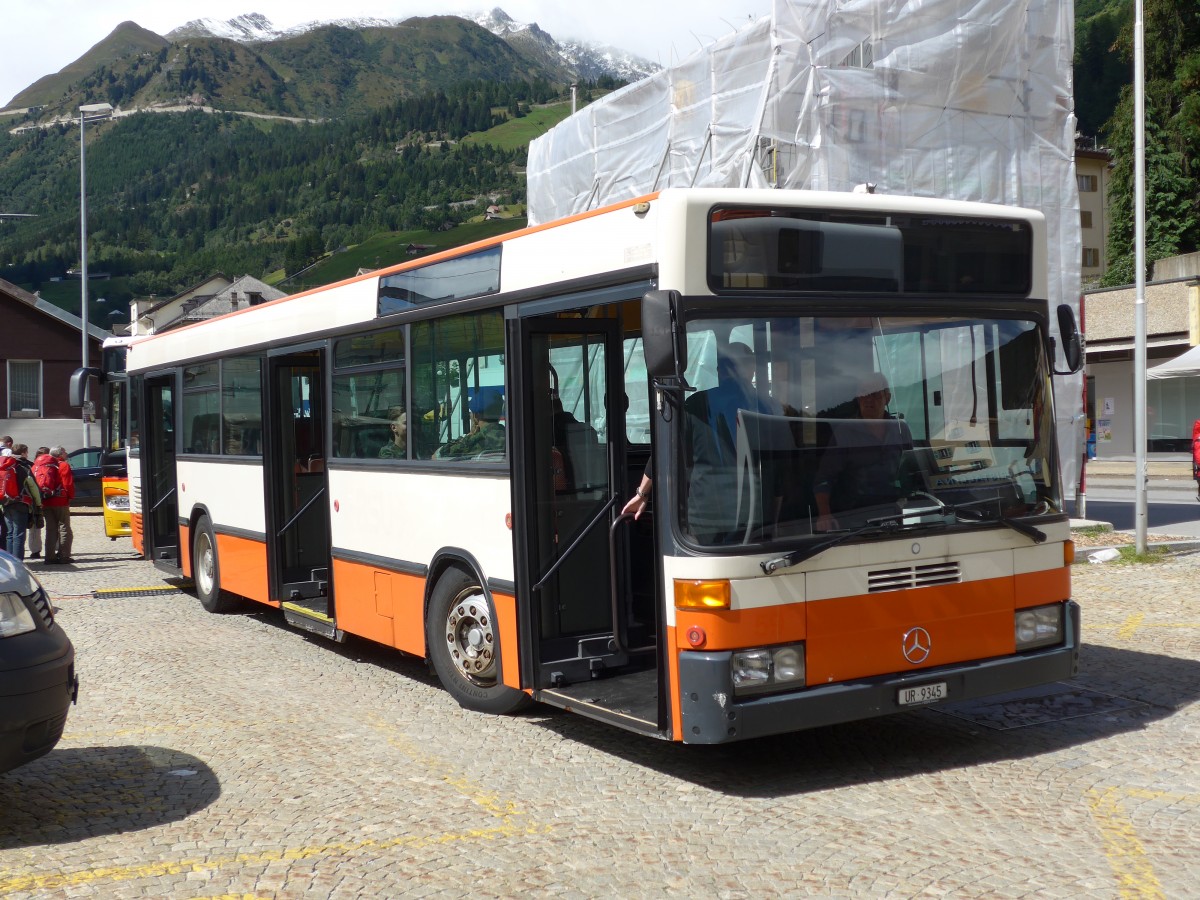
pixel 570 452
pixel 160 500
pixel 298 491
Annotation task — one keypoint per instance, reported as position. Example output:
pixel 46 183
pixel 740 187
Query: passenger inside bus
pixel 711 442
pixel 860 469
pixel 486 437
pixel 578 447
pixel 397 447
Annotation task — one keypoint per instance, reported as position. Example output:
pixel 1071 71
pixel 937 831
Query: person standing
pixel 59 535
pixel 21 501
pixel 33 534
pixel 6 443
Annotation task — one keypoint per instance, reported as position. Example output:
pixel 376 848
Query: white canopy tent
pixel 1180 367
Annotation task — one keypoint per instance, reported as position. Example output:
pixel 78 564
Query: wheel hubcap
pixel 204 571
pixel 471 638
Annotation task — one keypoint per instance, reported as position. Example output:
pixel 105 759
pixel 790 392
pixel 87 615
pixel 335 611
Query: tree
pixel 1172 79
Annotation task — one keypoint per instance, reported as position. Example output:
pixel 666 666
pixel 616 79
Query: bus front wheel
pixel 464 645
pixel 206 569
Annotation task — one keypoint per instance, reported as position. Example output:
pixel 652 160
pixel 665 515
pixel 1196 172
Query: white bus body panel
pixel 232 494
pixel 410 516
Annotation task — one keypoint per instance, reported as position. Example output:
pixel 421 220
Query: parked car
pixel 38 683
pixel 85 465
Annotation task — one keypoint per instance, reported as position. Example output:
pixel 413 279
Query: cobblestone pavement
pixel 228 756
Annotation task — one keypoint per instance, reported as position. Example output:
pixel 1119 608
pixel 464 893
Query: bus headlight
pixel 1040 626
pixel 767 669
pixel 117 502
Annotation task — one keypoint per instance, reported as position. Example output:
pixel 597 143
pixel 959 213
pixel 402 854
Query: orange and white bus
pixel 864 515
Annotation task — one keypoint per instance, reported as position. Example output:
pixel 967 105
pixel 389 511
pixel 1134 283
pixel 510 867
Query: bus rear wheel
pixel 464 645
pixel 206 569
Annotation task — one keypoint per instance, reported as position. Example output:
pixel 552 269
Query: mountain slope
pixel 315 70
pixel 126 42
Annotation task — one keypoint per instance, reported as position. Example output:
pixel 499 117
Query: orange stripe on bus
pixel 855 637
pixel 1036 588
pixel 243 563
pixel 672 686
pixel 380 605
pixel 506 628
pixel 137 535
pixel 185 550
pixel 731 629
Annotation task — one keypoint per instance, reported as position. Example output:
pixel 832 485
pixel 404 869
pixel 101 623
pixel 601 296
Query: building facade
pixel 40 346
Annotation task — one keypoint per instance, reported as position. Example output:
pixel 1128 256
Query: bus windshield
pixel 805 425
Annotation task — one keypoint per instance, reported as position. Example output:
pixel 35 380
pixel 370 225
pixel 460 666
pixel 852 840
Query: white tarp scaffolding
pixel 958 99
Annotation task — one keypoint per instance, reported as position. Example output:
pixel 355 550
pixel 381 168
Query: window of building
pixel 1091 257
pixel 24 388
pixel 861 57
pixel 1087 183
pixel 1085 218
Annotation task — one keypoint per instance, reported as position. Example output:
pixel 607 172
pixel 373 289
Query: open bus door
pixel 593 648
pixel 298 492
pixel 160 502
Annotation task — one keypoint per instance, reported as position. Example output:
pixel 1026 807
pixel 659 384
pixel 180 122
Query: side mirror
pixel 1072 346
pixel 660 334
pixel 78 391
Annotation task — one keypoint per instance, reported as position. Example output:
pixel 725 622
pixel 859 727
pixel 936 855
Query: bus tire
pixel 464 645
pixel 206 569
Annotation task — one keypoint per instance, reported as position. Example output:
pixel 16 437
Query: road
pixel 1171 509
pixel 217 756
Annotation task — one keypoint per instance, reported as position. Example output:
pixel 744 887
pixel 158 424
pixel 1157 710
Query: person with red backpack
pixel 21 498
pixel 54 471
pixel 1196 455
pixel 33 534
pixel 6 441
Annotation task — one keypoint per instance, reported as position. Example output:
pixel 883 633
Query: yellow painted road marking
pixel 12 885
pixel 443 770
pixel 1135 623
pixel 505 810
pixel 1124 850
pixel 1131 625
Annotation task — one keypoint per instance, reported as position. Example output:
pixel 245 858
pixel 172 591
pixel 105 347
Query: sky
pixel 43 36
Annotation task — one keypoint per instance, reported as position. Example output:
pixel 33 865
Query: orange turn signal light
pixel 1068 552
pixel 702 594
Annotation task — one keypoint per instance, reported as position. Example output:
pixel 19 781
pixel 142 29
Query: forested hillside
pixel 173 198
pixel 328 72
pixel 1172 105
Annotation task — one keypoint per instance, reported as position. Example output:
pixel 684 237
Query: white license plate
pixel 925 693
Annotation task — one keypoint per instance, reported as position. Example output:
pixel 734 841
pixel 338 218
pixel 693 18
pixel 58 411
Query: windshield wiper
pixel 977 515
pixel 969 512
pixel 890 524
pixel 882 525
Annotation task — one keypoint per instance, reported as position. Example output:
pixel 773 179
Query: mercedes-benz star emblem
pixel 917 645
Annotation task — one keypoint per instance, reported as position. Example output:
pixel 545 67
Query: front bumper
pixel 711 715
pixel 33 704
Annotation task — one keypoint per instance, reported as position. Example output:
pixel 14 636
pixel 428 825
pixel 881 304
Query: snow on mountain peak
pixel 587 59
